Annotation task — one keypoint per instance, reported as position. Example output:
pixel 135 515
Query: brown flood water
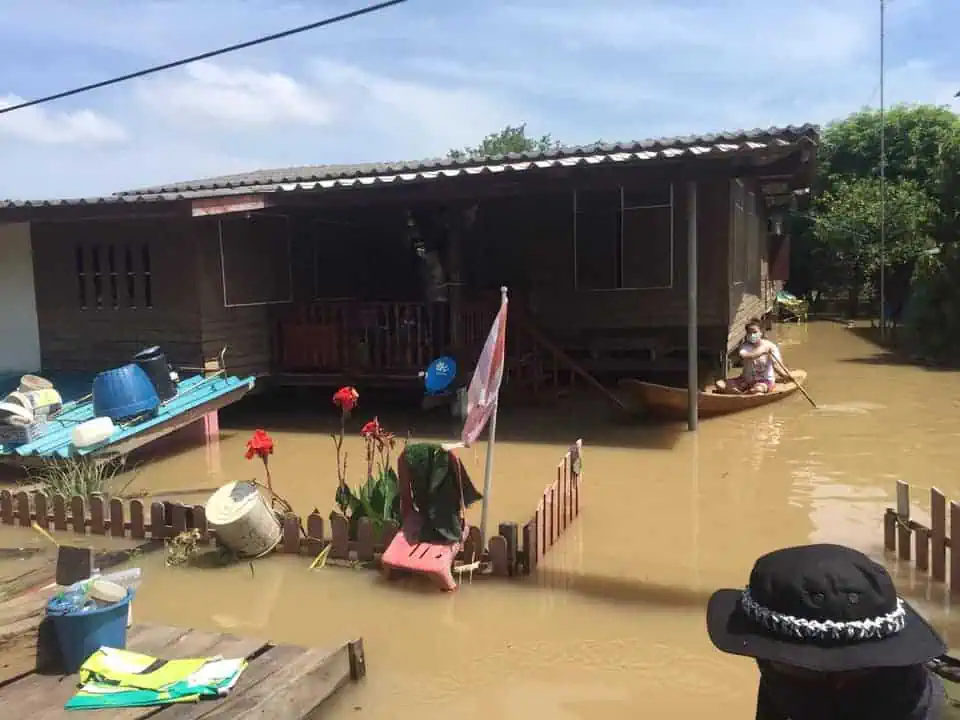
pixel 613 624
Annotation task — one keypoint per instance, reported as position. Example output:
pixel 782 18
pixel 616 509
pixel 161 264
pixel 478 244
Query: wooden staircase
pixel 538 368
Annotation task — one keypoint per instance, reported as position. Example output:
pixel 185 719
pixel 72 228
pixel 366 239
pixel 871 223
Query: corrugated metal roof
pixel 124 199
pixel 324 177
pixel 641 150
pixel 57 441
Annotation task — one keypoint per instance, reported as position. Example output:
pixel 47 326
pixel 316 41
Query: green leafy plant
pixel 378 498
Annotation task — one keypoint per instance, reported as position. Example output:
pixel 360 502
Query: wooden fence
pixel 925 546
pixel 558 508
pixel 138 520
pixel 163 520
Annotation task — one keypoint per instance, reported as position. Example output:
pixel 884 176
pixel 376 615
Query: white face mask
pixel 753 338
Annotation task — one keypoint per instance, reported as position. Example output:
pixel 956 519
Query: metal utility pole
pixel 883 179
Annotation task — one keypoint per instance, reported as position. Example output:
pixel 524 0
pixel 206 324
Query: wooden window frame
pixel 671 205
pixel 223 267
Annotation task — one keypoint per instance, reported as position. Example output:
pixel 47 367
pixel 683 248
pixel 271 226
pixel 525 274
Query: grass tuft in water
pixel 78 476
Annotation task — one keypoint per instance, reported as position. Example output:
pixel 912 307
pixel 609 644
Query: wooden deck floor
pixel 282 682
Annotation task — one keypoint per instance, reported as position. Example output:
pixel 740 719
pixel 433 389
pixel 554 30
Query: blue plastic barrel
pixel 80 634
pixel 123 393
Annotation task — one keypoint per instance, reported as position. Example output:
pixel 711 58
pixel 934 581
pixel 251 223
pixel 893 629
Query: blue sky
pixel 415 80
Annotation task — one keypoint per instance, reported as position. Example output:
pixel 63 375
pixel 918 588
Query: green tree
pixel 948 187
pixel 846 231
pixel 921 143
pixel 915 139
pixel 511 139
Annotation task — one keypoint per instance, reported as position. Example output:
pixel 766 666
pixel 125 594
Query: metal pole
pixel 883 179
pixel 488 475
pixel 491 441
pixel 693 388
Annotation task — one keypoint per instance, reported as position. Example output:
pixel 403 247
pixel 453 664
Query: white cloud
pixel 424 117
pixel 209 92
pixel 41 125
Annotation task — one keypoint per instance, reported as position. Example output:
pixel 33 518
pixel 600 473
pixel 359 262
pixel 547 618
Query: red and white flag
pixel 485 385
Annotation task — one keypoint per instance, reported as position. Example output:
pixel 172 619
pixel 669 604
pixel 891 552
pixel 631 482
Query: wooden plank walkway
pixel 282 682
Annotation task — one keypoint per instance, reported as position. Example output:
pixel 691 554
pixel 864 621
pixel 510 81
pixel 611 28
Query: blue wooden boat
pixel 196 396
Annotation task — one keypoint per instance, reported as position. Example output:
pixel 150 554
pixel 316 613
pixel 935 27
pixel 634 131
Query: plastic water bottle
pixel 129 578
pixel 74 598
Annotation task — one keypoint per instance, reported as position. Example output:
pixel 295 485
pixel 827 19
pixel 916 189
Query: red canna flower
pixel 260 445
pixel 372 429
pixel 346 398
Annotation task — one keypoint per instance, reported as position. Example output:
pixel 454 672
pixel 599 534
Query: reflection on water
pixel 613 625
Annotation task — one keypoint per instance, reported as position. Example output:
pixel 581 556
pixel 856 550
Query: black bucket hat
pixel 827 608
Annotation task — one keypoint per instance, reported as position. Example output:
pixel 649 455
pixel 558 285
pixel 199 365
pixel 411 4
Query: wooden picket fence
pixel 164 520
pixel 503 555
pixel 101 515
pixel 558 508
pixel 925 546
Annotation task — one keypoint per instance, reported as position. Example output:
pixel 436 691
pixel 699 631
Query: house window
pixel 623 238
pixel 131 277
pixel 256 260
pixel 108 276
pixel 147 276
pixel 81 277
pixel 114 284
pixel 97 277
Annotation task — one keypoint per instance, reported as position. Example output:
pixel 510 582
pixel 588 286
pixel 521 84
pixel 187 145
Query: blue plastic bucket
pixel 81 634
pixel 124 392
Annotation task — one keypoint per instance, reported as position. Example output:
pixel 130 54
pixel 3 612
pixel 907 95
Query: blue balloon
pixel 440 374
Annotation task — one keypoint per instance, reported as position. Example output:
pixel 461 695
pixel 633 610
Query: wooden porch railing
pixel 401 338
pixel 335 336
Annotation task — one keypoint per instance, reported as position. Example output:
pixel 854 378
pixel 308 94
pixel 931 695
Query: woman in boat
pixel 761 364
pixel 831 638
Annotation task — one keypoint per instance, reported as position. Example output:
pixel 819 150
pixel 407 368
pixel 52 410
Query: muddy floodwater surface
pixel 613 624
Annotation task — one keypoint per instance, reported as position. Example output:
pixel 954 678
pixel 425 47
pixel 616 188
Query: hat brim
pixel 731 631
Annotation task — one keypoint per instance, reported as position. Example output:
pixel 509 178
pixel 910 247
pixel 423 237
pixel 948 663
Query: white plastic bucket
pixel 242 520
pixel 34 382
pixel 92 432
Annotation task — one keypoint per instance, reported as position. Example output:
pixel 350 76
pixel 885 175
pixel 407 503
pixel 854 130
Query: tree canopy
pixel 837 244
pixel 511 139
pixel 846 228
pixel 915 138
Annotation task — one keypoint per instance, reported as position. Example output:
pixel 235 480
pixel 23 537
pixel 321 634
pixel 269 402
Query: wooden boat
pixel 671 402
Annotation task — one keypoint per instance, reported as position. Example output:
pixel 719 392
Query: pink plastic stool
pixel 407 554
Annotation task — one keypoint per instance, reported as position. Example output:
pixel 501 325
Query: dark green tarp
pixel 436 477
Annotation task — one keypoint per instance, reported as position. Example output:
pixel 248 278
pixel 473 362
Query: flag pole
pixel 491 441
pixel 488 473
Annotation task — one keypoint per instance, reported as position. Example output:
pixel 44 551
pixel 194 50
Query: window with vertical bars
pixel 113 276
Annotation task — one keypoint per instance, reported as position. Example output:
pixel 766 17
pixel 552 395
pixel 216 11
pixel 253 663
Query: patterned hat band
pixel 798 628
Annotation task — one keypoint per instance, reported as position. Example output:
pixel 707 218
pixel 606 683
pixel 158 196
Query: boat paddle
pixel 783 369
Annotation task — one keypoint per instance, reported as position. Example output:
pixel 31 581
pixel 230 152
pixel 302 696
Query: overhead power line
pixel 204 56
